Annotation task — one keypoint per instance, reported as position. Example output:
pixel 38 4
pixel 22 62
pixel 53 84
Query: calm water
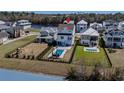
pixel 12 75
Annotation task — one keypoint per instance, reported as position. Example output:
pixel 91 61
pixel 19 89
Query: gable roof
pixel 95 24
pixel 82 22
pixel 91 32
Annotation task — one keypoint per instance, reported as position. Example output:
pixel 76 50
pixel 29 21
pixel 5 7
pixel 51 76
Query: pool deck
pixel 59 48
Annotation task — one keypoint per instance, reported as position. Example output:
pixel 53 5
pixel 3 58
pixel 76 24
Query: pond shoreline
pixel 48 76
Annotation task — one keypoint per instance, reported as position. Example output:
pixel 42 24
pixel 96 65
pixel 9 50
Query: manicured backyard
pixel 89 58
pixel 29 65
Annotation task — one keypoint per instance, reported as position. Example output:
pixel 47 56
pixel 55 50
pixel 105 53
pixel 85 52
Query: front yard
pixel 88 58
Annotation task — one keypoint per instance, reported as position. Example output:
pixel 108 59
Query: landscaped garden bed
pixel 90 58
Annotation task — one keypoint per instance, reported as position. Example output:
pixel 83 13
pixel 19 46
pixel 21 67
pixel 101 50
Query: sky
pixel 70 12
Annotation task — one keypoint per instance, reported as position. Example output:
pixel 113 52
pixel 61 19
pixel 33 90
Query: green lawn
pixel 13 45
pixel 88 58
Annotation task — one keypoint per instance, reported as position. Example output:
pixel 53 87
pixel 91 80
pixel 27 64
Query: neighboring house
pixel 114 38
pixel 3 37
pixel 68 21
pixel 110 25
pixel 90 38
pixel 15 32
pixel 121 25
pixel 97 26
pixel 4 28
pixel 2 22
pixel 48 36
pixel 65 35
pixel 24 24
pixel 81 26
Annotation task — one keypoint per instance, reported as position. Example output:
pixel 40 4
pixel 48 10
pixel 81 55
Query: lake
pixel 13 75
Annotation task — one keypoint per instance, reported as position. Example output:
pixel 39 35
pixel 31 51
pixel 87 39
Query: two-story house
pixel 114 38
pixel 24 24
pixel 90 38
pixel 97 26
pixel 65 34
pixel 81 26
pixel 48 35
pixel 110 25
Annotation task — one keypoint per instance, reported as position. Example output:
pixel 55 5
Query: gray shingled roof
pixel 4 27
pixel 3 34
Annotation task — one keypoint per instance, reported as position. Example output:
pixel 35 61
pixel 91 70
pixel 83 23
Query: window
pixel 62 37
pixel 69 38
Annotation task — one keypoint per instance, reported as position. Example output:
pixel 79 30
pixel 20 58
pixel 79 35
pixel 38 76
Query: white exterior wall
pixel 26 26
pixel 81 27
pixel 65 39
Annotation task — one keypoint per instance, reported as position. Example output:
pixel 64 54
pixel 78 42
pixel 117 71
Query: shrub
pixel 28 56
pixel 110 50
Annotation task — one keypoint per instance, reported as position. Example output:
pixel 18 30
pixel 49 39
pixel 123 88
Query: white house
pixel 3 37
pixel 65 35
pixel 110 25
pixel 114 38
pixel 25 24
pixel 47 35
pixel 97 26
pixel 81 26
pixel 121 25
pixel 90 38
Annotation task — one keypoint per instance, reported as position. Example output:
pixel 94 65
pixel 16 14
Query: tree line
pixel 55 19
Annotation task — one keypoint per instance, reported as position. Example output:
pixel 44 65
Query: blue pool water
pixel 59 52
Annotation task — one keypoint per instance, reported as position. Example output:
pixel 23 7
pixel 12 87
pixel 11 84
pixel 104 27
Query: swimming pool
pixel 91 49
pixel 58 52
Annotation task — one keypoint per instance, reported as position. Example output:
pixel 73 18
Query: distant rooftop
pixel 82 22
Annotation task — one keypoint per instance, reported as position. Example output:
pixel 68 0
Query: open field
pixel 117 58
pixel 87 58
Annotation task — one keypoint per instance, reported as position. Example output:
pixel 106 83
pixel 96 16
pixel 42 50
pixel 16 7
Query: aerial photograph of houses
pixel 62 46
